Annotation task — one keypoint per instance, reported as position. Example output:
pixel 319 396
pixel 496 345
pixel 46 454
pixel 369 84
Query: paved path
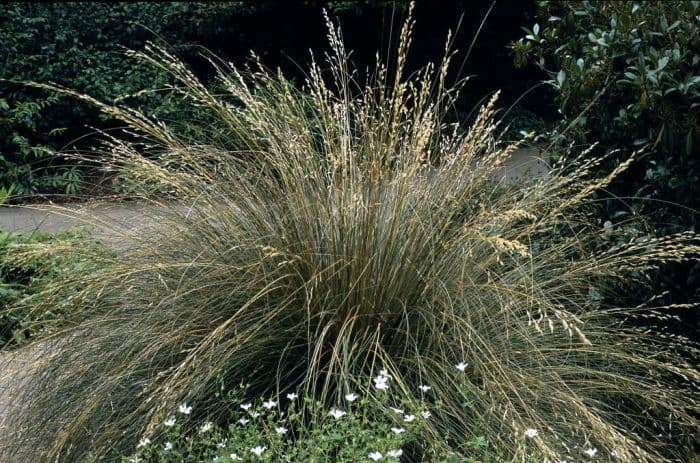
pixel 110 219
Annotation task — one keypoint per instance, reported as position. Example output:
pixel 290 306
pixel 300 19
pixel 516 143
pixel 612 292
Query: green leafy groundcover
pixel 22 280
pixel 365 428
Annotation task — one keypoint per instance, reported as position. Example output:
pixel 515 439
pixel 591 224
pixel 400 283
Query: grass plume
pixel 325 232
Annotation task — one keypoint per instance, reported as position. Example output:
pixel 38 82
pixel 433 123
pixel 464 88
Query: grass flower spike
pixel 318 231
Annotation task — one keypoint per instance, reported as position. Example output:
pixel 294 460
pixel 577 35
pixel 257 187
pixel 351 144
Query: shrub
pixel 347 228
pixel 80 45
pixel 635 69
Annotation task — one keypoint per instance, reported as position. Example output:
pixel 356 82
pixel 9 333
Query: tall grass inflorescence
pixel 320 234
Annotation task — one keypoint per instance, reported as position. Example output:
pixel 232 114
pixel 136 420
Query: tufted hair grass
pixel 320 234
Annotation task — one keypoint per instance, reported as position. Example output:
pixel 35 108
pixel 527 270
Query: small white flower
pixel 281 430
pixel 381 381
pixel 168 446
pixel 409 418
pixel 292 395
pixel 221 444
pixel 243 421
pixel 397 410
pixel 382 385
pixel 590 452
pixel 398 430
pixel 394 453
pixel 143 442
pixel 246 406
pixel 531 433
pixel 375 456
pixel 135 460
pixel 461 366
pixel 351 397
pixel 206 427
pixel 235 457
pixel 184 409
pixel 269 404
pixel 425 414
pixel 254 414
pixel 258 450
pixel 424 388
pixel 614 454
pixel 169 422
pixel 336 413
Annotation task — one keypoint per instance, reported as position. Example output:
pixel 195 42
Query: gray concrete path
pixel 109 220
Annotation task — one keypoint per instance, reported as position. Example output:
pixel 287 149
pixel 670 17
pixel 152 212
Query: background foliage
pixel 626 75
pixel 81 46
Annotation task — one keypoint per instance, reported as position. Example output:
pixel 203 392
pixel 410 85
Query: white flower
pixel 409 418
pixel 281 430
pixel 461 366
pixel 206 427
pixel 258 450
pixel 381 381
pixel 397 410
pixel 169 422
pixel 531 433
pixel 590 452
pixel 425 414
pixel 135 460
pixel 246 406
pixel 614 454
pixel 269 404
pixel 398 430
pixel 254 414
pixel 243 421
pixel 336 413
pixel 168 446
pixel 351 397
pixel 424 388
pixel 143 442
pixel 381 384
pixel 184 409
pixel 235 457
pixel 221 444
pixel 292 395
pixel 376 456
pixel 394 453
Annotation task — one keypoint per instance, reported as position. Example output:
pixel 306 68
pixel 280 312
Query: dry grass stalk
pixel 345 227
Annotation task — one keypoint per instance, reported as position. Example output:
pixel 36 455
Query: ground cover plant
pixel 348 239
pixel 31 263
pixel 274 429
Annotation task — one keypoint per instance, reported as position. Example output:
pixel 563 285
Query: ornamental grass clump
pixel 320 234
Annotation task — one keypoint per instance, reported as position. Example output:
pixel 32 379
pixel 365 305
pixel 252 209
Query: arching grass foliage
pixel 320 234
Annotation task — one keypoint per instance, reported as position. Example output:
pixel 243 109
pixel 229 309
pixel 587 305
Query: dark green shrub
pixel 634 67
pixel 79 45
